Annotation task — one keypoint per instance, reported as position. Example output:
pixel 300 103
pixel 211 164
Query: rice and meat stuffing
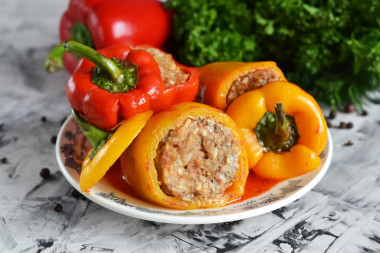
pixel 252 80
pixel 197 160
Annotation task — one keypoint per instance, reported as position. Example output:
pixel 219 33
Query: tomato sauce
pixel 116 178
pixel 255 185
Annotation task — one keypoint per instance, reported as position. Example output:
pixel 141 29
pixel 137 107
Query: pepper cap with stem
pixel 249 112
pixel 113 75
pixel 93 169
pixel 277 132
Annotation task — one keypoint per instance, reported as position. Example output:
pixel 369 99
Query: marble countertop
pixel 340 214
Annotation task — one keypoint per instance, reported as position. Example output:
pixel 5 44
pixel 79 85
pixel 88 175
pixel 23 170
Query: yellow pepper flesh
pixel 93 170
pixel 287 164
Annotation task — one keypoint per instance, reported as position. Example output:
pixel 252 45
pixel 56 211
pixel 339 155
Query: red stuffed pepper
pixel 181 82
pixel 101 23
pixel 105 91
pixel 118 82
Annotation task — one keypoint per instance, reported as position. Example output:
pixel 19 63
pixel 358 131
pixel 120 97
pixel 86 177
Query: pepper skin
pixel 139 166
pixel 110 22
pixel 179 92
pixel 105 109
pixel 182 92
pixel 216 79
pixel 248 109
pixel 93 170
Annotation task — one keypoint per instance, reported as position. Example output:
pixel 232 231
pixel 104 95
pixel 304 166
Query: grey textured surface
pixel 341 214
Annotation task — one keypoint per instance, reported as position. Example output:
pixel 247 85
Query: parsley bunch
pixel 330 48
pixel 207 31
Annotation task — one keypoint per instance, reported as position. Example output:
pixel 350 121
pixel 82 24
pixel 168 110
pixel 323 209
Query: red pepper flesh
pixel 105 109
pixel 181 92
pixel 110 22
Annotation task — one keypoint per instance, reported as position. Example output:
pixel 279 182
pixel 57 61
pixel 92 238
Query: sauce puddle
pixel 255 185
pixel 116 178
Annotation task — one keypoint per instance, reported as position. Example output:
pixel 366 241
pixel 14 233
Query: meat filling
pixel 250 81
pixel 197 160
pixel 171 74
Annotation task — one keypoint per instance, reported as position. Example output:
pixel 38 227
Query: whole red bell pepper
pixel 100 23
pixel 105 91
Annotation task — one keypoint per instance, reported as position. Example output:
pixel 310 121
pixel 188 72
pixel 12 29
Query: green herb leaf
pixel 329 48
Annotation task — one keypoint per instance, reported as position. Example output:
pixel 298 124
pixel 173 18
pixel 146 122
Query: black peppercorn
pixel 58 208
pixel 332 115
pixel 4 160
pixel 45 173
pixel 364 113
pixel 43 119
pixel 350 125
pixel 329 124
pixel 53 139
pixel 75 194
pixel 342 125
pixel 350 107
pixel 349 143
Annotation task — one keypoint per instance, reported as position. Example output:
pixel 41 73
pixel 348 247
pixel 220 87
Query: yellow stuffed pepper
pixel 191 156
pixel 283 128
pixel 222 82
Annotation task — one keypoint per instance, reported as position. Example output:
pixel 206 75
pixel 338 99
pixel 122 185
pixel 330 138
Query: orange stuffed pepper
pixel 283 128
pixel 191 156
pixel 222 82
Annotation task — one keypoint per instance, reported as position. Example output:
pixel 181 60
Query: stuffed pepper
pixel 181 82
pixel 189 157
pixel 119 82
pixel 113 84
pixel 283 128
pixel 222 82
pixel 100 23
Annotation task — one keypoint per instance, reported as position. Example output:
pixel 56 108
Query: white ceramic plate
pixel 72 146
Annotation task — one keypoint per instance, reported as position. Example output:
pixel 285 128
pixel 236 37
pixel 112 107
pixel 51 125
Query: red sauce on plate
pixel 255 185
pixel 116 178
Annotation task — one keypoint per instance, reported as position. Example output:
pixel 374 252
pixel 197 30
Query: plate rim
pixel 193 219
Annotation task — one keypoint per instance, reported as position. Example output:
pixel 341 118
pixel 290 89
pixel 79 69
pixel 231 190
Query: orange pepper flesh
pixel 93 170
pixel 287 164
pixel 138 160
pixel 216 79
pixel 248 109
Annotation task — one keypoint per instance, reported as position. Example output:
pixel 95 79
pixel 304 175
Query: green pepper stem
pixel 277 132
pixel 92 55
pixel 78 32
pixel 93 133
pixel 54 61
pixel 282 128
